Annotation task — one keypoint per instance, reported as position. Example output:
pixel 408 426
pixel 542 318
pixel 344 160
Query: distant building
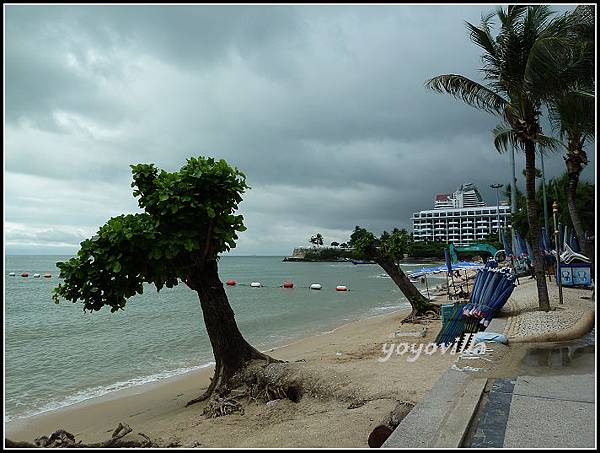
pixel 460 218
pixel 466 196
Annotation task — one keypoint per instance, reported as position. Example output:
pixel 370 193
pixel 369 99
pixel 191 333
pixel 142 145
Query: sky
pixel 322 107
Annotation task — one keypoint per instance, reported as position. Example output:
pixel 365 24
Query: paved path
pixel 523 317
pixel 552 409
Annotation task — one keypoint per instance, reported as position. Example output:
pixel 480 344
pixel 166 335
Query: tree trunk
pixel 534 225
pixel 575 162
pixel 231 351
pixel 419 303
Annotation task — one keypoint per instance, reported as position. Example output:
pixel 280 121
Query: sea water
pixel 57 355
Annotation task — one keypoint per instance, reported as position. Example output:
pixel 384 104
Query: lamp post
pixel 497 186
pixel 544 192
pixel 556 241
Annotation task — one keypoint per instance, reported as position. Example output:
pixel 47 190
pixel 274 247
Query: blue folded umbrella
pixel 448 261
pixel 506 244
pixel 545 241
pixel 519 244
pixel 573 243
pixel 529 249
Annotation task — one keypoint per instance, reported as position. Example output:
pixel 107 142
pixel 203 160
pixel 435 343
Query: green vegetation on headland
pixel 413 251
pixel 329 254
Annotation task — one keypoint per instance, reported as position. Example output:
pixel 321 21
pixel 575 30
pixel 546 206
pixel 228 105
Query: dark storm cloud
pixel 323 108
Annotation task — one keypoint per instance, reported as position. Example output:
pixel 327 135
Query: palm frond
pixel 504 138
pixel 573 114
pixel 483 38
pixel 548 143
pixel 469 91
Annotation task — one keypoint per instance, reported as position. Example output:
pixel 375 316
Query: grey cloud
pixel 323 107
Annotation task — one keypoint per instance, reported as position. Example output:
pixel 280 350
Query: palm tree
pixel 515 63
pixel 316 239
pixel 572 111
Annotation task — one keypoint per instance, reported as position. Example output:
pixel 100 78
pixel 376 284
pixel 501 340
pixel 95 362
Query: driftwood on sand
pixel 382 431
pixel 64 439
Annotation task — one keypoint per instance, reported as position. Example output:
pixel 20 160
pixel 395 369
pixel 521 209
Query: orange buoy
pixel 47 275
pixel 288 285
pixel 24 274
pixel 230 282
pixel 341 288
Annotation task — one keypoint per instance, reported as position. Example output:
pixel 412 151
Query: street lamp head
pixel 496 186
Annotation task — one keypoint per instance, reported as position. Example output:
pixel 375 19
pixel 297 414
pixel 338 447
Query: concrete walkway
pixel 549 404
pixel 552 412
pixel 547 400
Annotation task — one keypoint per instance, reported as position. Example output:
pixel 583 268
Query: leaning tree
pixel 188 220
pixel 387 251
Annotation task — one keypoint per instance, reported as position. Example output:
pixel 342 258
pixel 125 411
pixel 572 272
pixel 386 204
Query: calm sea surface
pixel 56 355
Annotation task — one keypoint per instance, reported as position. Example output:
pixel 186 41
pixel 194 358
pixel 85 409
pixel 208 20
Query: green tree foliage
pixel 426 249
pixel 189 218
pixel 317 239
pixel 328 254
pixel 556 191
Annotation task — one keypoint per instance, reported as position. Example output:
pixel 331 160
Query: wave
pixel 95 392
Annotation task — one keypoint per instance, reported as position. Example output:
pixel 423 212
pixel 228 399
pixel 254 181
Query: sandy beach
pixel 345 358
pixel 345 362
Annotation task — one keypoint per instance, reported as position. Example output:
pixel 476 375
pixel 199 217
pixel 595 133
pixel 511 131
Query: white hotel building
pixel 460 218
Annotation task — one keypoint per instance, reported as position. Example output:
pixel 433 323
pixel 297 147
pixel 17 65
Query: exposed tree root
pixel 260 383
pixel 431 314
pixel 219 384
pixel 64 439
pixel 222 406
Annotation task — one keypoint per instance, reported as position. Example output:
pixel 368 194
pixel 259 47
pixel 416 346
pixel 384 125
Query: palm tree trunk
pixel 575 164
pixel 534 226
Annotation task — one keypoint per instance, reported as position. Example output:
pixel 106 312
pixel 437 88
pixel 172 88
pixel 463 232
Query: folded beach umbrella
pixel 545 241
pixel 506 244
pixel 573 243
pixel 519 244
pixel 448 261
pixel 529 249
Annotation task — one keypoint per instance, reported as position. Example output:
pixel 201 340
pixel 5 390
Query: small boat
pixel 341 288
pixel 47 275
pixel 363 262
pixel 11 274
pixel 24 274
pixel 255 284
pixel 36 275
pixel 315 286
